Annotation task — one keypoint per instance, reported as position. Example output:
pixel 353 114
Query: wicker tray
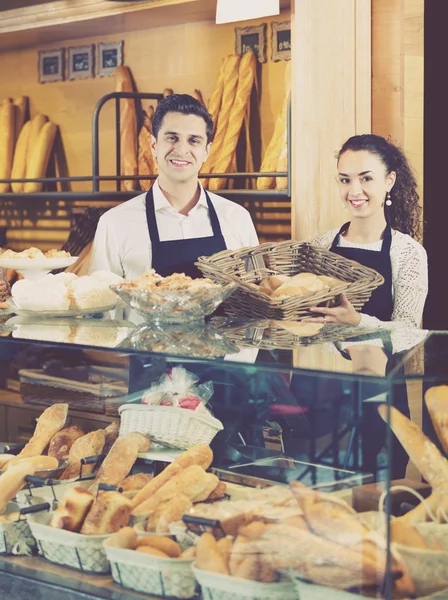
pixel 249 266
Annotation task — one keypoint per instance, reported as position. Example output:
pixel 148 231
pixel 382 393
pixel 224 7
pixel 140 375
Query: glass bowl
pixel 174 306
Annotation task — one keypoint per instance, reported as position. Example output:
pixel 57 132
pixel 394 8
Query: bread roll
pixel 18 170
pixel 152 551
pixel 7 133
pixel 218 492
pixel 111 432
pixel 270 284
pixel 246 79
pixel 37 165
pixel 90 444
pixel 135 482
pixel 12 481
pixel 40 463
pixel 211 482
pixel 62 441
pixel 201 455
pixel 20 109
pixel 436 400
pixel 289 289
pixel 303 283
pixel 423 453
pixel 300 328
pixel 50 422
pixel 124 538
pixel 120 459
pixel 109 513
pixel 128 128
pixel 230 84
pixel 168 512
pixel 73 509
pixel 208 556
pixel 165 544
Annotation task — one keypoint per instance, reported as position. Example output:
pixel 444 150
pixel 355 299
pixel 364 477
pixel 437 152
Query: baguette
pixel 120 459
pixel 146 162
pixel 135 482
pixel 436 400
pixel 281 183
pixel 50 422
pixel 73 509
pixel 214 104
pixel 271 156
pixel 5 458
pixel 90 444
pixel 230 84
pixel 21 151
pixel 62 441
pixel 40 463
pixel 423 453
pixel 128 128
pixel 246 78
pixel 36 167
pixel 109 513
pixel 201 455
pixel 20 109
pixel 36 125
pixel 12 481
pixel 7 133
pixel 111 432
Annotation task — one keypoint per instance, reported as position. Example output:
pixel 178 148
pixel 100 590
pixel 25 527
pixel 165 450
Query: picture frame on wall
pixel 51 65
pixel 110 56
pixel 81 62
pixel 281 40
pixel 253 38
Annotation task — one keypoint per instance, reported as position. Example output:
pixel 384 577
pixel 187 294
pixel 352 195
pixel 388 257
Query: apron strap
pixel 151 217
pixel 216 227
pixel 385 246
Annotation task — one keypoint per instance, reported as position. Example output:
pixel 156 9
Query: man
pixel 177 221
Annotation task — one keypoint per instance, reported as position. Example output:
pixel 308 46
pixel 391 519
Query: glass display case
pixel 278 408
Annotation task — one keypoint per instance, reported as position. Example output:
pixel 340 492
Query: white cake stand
pixel 36 268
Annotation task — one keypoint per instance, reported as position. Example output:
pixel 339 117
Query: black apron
pixel 381 303
pixel 179 256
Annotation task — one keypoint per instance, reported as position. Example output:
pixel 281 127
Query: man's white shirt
pixel 122 243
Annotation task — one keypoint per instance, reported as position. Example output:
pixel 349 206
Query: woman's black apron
pixel 381 306
pixel 173 256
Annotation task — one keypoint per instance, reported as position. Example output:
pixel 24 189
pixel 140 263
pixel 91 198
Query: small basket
pixel 15 536
pixel 313 591
pixel 249 266
pixel 173 427
pixel 216 586
pixel 151 574
pixel 80 552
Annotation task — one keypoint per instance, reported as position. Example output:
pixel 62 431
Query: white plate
pixel 37 264
pixel 78 312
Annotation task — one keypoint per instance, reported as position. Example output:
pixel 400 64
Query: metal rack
pixel 16 206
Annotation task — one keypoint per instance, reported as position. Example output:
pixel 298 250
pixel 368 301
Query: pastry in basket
pixel 61 442
pixel 28 253
pixel 162 547
pixel 50 422
pixel 73 509
pixel 303 283
pixel 109 513
pixel 120 459
pixel 176 282
pixel 91 444
pixel 53 253
pixel 168 512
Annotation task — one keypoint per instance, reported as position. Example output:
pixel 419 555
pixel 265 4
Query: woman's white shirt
pixel 409 277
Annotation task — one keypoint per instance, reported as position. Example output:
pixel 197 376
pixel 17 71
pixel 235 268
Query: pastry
pixel 110 512
pixel 73 509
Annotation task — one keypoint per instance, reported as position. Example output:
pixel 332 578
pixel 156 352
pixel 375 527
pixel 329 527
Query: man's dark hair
pixel 185 104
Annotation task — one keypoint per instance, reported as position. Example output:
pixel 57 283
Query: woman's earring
pixel 388 200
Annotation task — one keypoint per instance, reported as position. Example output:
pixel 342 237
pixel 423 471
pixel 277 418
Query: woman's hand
pixel 344 314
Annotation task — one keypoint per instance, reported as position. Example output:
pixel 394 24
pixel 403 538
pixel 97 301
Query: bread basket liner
pixel 151 574
pixel 174 427
pixel 216 586
pixel 80 552
pixel 16 537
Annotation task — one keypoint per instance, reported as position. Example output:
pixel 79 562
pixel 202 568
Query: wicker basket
pixel 15 536
pixel 215 586
pixel 173 427
pixel 250 265
pixel 171 577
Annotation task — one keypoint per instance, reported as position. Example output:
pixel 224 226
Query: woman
pixel 378 189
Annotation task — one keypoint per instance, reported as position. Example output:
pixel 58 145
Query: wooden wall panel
pixel 330 102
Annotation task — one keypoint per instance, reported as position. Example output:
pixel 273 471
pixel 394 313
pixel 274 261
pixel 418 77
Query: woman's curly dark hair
pixel 405 212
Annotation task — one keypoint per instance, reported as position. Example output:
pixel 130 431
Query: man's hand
pixel 344 314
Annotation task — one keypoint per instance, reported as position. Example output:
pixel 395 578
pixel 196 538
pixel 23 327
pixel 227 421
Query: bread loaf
pixel 4 459
pixel 135 482
pixel 271 156
pixel 73 509
pixel 168 512
pixel 20 156
pixel 146 162
pixel 335 524
pixel 201 455
pixel 50 422
pixel 436 400
pixel 120 459
pixel 111 431
pixel 214 104
pixel 62 441
pixel 7 133
pixel 246 78
pixel 36 167
pixel 109 513
pixel 281 183
pixel 20 110
pixel 218 492
pixel 423 453
pixel 230 84
pixel 12 481
pixel 39 463
pixel 90 444
pixel 211 482
pixel 128 128
pixel 37 123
